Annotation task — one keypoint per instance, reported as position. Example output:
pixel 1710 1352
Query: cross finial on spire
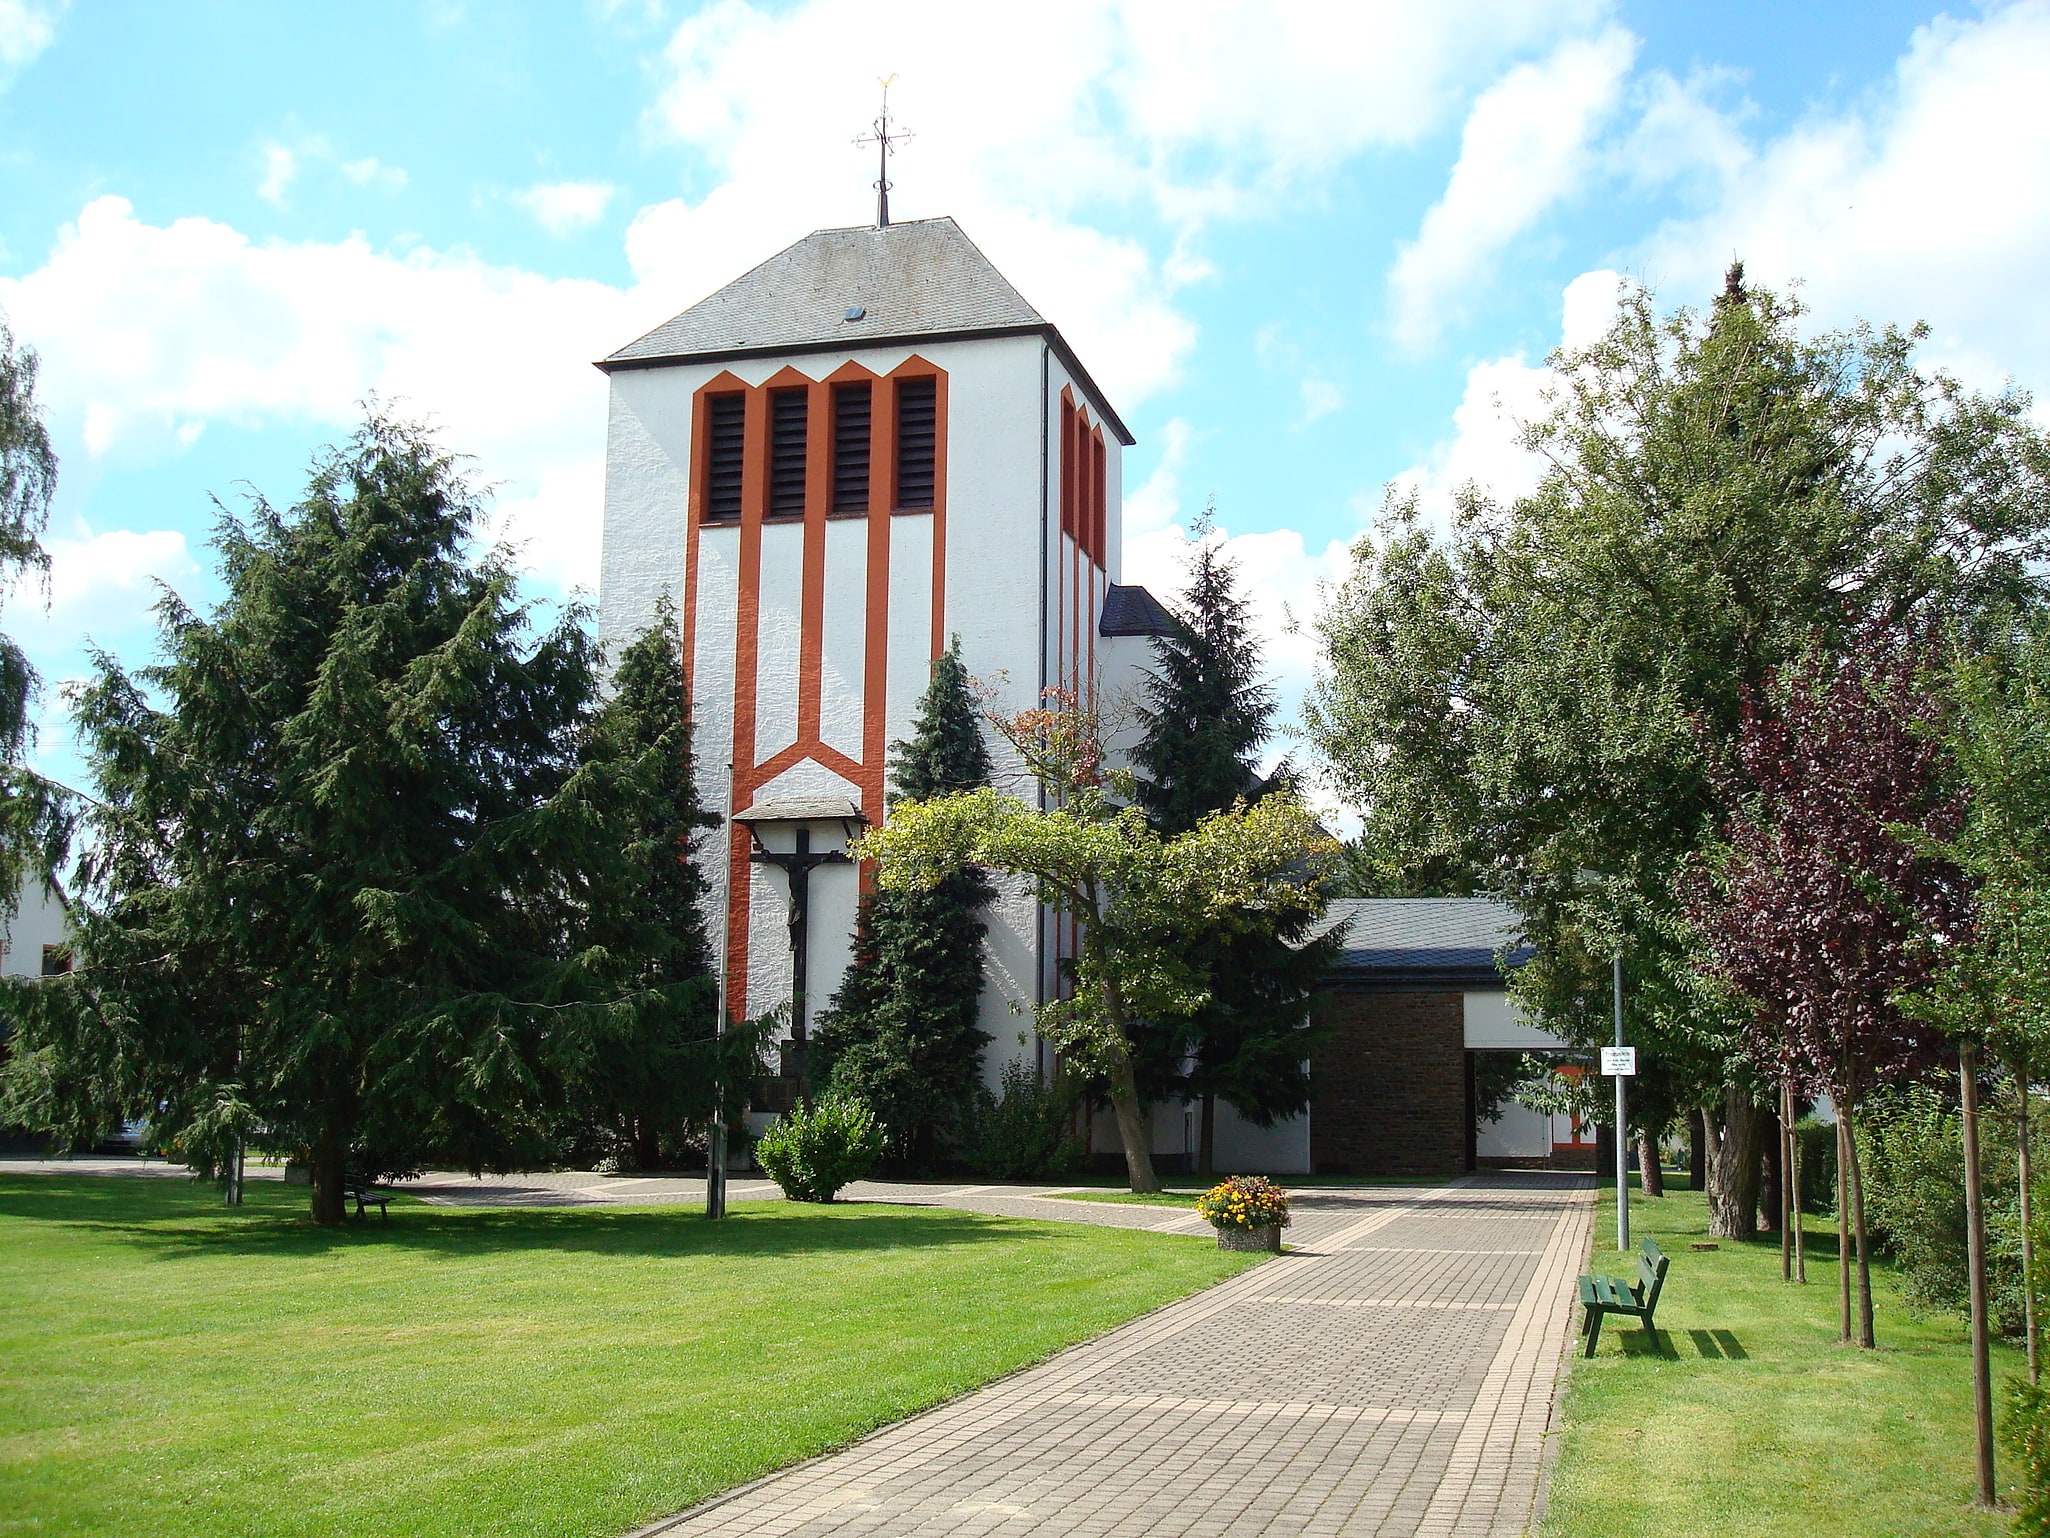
pixel 886 140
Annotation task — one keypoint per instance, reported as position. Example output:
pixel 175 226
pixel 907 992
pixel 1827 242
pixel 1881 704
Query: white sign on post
pixel 1619 1062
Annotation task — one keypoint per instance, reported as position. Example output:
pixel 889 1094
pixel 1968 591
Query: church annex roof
pixel 919 281
pixel 1422 941
pixel 1128 609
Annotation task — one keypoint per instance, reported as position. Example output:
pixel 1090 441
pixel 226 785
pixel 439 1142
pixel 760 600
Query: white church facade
pixel 862 448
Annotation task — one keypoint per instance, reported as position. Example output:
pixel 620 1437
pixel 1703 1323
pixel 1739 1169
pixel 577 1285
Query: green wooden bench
pixel 360 1191
pixel 1605 1295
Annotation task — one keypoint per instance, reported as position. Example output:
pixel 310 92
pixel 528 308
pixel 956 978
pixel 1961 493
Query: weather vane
pixel 886 140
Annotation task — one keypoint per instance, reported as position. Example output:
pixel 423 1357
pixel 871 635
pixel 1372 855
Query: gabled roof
pixel 922 281
pixel 1428 941
pixel 1128 609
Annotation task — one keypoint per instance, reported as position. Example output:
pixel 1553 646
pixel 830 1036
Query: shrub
pixel 1025 1133
pixel 1911 1146
pixel 2025 1431
pixel 814 1151
pixel 1818 1164
pixel 1244 1201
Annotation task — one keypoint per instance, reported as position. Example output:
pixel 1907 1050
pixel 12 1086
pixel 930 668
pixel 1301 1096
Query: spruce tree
pixel 1205 714
pixel 1205 711
pixel 650 1092
pixel 901 1034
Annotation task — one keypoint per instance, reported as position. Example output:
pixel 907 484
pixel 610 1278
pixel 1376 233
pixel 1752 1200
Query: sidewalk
pixel 1395 1376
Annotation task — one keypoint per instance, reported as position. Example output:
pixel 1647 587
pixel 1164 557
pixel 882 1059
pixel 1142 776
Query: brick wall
pixel 1388 1084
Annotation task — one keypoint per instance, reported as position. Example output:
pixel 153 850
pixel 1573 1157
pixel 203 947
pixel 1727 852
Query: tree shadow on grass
pixel 180 1220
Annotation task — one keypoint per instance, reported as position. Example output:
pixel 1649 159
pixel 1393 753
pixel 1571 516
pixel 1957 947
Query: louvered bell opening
pixel 916 440
pixel 725 426
pixel 851 411
pixel 786 452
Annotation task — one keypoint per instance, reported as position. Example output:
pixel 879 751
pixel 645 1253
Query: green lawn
pixel 168 1368
pixel 1750 1419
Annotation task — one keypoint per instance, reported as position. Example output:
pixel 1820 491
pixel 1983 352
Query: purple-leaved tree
pixel 1818 907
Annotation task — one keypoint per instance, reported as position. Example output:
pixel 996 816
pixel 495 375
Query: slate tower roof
pixel 919 281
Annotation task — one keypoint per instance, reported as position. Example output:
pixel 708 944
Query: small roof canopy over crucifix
pixel 885 139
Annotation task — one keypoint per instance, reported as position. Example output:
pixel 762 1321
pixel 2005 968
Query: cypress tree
pixel 901 1034
pixel 1205 714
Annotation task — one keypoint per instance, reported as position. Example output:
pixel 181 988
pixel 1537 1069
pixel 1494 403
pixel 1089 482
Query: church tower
pixel 865 446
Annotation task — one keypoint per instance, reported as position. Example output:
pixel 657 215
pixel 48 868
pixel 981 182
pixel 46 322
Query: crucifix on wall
pixel 797 864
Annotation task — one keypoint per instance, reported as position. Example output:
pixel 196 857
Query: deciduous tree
pixel 1539 694
pixel 1818 910
pixel 1092 855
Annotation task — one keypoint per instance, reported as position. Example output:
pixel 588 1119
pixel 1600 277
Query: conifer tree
pixel 1205 711
pixel 662 1081
pixel 901 1034
pixel 1205 714
pixel 359 875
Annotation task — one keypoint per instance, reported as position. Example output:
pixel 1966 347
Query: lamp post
pixel 1622 1117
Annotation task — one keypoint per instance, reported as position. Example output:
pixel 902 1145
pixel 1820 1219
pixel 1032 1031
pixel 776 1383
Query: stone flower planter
pixel 1268 1238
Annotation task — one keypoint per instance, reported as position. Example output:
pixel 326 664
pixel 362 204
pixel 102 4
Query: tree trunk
pixel 1132 1131
pixel 1697 1150
pixel 1843 1228
pixel 1206 1143
pixel 2022 1161
pixel 1858 1231
pixel 1975 1259
pixel 1800 1223
pixel 1732 1142
pixel 1771 1180
pixel 1790 1201
pixel 330 1171
pixel 1649 1175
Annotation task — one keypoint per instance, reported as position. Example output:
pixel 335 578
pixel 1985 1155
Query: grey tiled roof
pixel 925 278
pixel 1446 939
pixel 920 280
pixel 1128 609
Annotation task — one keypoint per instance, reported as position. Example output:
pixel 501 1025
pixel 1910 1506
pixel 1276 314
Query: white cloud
pixel 99 584
pixel 1320 397
pixel 1192 112
pixel 283 163
pixel 1928 200
pixel 27 27
pixel 148 332
pixel 280 166
pixel 1527 144
pixel 372 172
pixel 562 208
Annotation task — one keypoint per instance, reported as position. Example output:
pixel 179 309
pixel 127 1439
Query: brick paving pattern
pixel 1396 1375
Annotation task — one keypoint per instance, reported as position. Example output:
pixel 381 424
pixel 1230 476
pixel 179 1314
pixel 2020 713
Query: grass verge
pixel 1744 1416
pixel 171 1368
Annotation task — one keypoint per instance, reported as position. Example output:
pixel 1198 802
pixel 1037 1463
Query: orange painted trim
pixel 754 493
pixel 875 662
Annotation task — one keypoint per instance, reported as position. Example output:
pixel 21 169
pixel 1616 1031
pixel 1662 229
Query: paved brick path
pixel 1395 1377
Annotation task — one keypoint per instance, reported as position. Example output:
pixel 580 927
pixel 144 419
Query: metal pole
pixel 1622 1125
pixel 715 1139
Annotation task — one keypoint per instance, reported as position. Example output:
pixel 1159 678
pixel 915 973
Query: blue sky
pixel 1309 249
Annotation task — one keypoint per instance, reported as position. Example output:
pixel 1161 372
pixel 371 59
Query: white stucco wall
pixel 1494 1021
pixel 39 920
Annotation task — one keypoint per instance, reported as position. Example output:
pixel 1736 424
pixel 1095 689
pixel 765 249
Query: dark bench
pixel 1604 1295
pixel 360 1191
